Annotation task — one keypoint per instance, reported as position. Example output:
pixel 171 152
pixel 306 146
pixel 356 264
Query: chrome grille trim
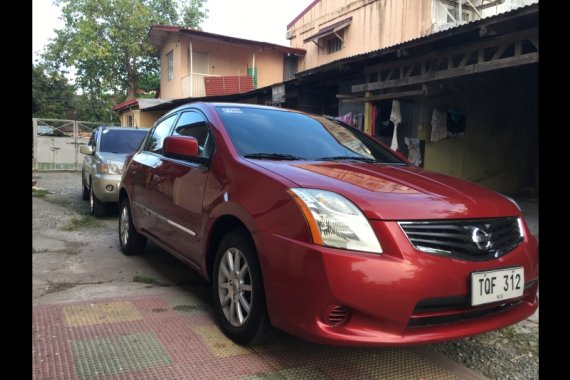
pixel 467 239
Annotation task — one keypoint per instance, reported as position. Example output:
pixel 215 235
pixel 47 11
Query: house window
pixel 333 45
pixel 170 61
pixel 130 121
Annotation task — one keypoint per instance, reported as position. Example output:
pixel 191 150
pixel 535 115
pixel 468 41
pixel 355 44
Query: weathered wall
pixel 376 24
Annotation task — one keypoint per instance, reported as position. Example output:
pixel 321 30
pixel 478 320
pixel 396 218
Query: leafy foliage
pixel 52 94
pixel 106 42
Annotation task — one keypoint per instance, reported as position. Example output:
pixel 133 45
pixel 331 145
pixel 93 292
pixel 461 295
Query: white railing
pixel 193 85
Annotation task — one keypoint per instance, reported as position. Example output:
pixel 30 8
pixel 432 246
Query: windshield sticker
pixel 232 110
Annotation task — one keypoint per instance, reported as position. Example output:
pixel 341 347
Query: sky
pixel 261 20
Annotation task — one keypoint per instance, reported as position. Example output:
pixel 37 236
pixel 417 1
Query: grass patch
pixel 146 280
pixel 79 207
pixel 39 193
pixel 39 250
pixel 85 221
pixel 54 287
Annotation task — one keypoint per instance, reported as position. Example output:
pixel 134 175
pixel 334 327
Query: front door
pixel 182 188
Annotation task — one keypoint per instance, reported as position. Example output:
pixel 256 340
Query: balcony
pixel 198 85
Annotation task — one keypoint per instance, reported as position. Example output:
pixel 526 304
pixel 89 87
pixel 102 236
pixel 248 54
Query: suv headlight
pixel 335 221
pixel 110 168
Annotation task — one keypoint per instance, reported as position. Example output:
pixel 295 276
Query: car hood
pixel 112 157
pixel 391 192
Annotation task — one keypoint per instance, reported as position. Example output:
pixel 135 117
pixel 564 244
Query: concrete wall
pixel 223 60
pixel 141 119
pixel 172 89
pixel 375 24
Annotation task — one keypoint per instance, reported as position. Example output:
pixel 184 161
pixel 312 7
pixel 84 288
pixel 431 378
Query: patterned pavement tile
pixel 309 373
pixel 218 344
pixel 95 314
pixel 118 354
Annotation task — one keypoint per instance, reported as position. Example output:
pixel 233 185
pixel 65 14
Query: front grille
pixel 445 310
pixel 469 239
pixel 460 317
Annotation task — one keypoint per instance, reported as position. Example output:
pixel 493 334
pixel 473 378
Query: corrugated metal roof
pixel 158 33
pixel 430 37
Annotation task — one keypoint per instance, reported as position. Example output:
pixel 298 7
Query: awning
pixel 328 30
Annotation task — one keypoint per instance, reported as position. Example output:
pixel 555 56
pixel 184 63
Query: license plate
pixel 496 285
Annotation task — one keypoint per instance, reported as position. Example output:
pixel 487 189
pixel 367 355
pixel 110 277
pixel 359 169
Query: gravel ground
pixel 510 353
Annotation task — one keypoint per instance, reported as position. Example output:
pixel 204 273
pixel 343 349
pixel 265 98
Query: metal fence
pixel 55 143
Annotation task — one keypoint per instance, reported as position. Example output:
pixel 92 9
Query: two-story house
pixel 197 64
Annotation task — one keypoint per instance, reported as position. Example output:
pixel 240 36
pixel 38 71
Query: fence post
pixel 34 143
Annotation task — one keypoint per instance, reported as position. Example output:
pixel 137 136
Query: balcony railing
pixel 193 85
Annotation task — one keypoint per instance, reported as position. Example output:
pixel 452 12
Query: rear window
pixel 267 131
pixel 121 141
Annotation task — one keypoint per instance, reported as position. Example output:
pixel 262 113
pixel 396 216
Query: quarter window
pixel 157 135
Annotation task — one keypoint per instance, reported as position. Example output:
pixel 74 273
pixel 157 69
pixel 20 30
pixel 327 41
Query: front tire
pixel 85 192
pixel 132 243
pixel 239 296
pixel 96 207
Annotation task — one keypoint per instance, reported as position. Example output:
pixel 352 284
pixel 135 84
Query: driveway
pixel 99 314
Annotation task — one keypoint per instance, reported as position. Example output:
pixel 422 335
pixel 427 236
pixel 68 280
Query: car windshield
pixel 121 140
pixel 280 135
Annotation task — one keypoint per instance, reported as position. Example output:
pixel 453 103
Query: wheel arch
pixel 222 226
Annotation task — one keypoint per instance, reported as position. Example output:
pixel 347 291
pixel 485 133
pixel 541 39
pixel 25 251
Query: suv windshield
pixel 274 134
pixel 121 141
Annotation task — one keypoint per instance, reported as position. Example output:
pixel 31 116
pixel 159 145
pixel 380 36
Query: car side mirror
pixel 180 147
pixel 86 149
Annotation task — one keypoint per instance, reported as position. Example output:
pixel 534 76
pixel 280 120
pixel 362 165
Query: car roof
pixel 223 104
pixel 113 127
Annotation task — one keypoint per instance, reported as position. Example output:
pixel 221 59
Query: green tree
pixel 106 41
pixel 52 95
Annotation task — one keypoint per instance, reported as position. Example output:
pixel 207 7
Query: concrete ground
pixel 98 314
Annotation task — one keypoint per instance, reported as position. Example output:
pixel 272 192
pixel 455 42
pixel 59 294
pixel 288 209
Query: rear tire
pixel 96 207
pixel 132 243
pixel 239 296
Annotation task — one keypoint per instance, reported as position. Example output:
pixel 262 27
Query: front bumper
pixel 101 182
pixel 386 294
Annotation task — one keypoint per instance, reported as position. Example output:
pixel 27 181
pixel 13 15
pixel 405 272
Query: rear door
pixel 182 187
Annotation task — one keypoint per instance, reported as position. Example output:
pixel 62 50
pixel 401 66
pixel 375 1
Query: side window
pixel 194 124
pixel 157 135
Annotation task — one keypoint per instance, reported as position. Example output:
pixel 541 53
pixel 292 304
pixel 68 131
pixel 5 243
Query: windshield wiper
pixel 340 158
pixel 273 156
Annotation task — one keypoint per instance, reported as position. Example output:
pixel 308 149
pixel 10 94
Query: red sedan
pixel 306 224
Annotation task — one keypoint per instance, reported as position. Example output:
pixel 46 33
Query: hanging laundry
pixel 438 125
pixel 414 151
pixel 455 122
pixel 346 118
pixel 396 118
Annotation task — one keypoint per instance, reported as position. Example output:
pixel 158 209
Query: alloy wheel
pixel 235 287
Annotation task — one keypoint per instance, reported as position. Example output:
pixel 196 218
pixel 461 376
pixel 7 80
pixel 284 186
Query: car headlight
pixel 335 221
pixel 110 168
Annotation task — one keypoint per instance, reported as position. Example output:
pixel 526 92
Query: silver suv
pixel 103 164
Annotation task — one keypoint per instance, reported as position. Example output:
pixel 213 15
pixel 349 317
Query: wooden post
pixel 368 115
